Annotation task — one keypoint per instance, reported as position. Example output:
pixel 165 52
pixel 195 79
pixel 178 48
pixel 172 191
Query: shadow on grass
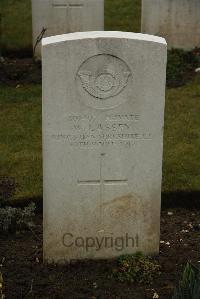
pixel 18 53
pixel 181 199
pixel 177 199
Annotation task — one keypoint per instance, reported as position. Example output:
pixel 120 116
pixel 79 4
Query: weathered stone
pixel 103 114
pixel 176 20
pixel 54 17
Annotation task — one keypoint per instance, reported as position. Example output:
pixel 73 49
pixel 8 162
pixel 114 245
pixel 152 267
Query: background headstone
pixel 176 20
pixel 54 17
pixel 103 114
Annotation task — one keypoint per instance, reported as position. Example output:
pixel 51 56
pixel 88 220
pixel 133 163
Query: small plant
pixel 1 286
pixel 189 285
pixel 137 268
pixel 16 219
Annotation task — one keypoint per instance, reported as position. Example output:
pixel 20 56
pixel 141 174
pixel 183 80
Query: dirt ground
pixel 25 276
pixel 14 71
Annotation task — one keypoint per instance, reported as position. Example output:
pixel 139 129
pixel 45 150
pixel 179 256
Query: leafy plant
pixel 16 219
pixel 1 286
pixel 189 285
pixel 137 268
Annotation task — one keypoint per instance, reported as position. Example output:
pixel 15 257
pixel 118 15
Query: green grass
pixel 122 15
pixel 182 139
pixel 20 110
pixel 20 135
pixel 16 25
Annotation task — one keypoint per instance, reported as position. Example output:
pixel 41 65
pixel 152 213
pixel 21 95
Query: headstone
pixel 54 17
pixel 176 20
pixel 103 111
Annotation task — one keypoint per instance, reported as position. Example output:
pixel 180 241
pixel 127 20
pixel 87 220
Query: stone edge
pixel 102 34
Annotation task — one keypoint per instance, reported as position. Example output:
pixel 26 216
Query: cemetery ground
pixel 24 274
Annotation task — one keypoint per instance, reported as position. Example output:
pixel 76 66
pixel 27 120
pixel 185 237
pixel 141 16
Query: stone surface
pixel 103 111
pixel 176 20
pixel 65 16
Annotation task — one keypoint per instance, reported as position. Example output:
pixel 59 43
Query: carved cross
pixel 102 181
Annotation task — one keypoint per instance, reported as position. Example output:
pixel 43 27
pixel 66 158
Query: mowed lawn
pixel 20 139
pixel 20 135
pixel 20 110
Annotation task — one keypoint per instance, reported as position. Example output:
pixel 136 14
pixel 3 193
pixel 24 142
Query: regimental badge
pixel 104 76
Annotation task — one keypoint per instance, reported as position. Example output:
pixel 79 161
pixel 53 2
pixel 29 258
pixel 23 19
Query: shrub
pixel 16 219
pixel 136 268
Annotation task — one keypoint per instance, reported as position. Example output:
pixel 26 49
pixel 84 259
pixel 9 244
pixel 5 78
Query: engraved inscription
pixel 104 76
pixel 87 131
pixel 60 4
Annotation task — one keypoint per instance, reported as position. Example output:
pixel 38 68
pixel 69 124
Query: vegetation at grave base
pixel 123 15
pixel 189 285
pixel 136 268
pixel 16 219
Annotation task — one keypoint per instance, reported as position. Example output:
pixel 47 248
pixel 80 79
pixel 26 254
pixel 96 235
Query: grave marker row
pixel 176 20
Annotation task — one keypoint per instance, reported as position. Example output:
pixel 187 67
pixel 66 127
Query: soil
pixel 25 276
pixel 20 71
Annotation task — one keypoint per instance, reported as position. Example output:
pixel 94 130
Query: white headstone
pixel 54 17
pixel 176 20
pixel 103 114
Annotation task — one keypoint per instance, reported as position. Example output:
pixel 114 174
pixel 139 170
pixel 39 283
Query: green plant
pixel 136 268
pixel 1 286
pixel 189 285
pixel 16 219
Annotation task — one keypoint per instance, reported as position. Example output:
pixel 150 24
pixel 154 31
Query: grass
pixel 16 26
pixel 122 15
pixel 20 109
pixel 20 135
pixel 182 141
